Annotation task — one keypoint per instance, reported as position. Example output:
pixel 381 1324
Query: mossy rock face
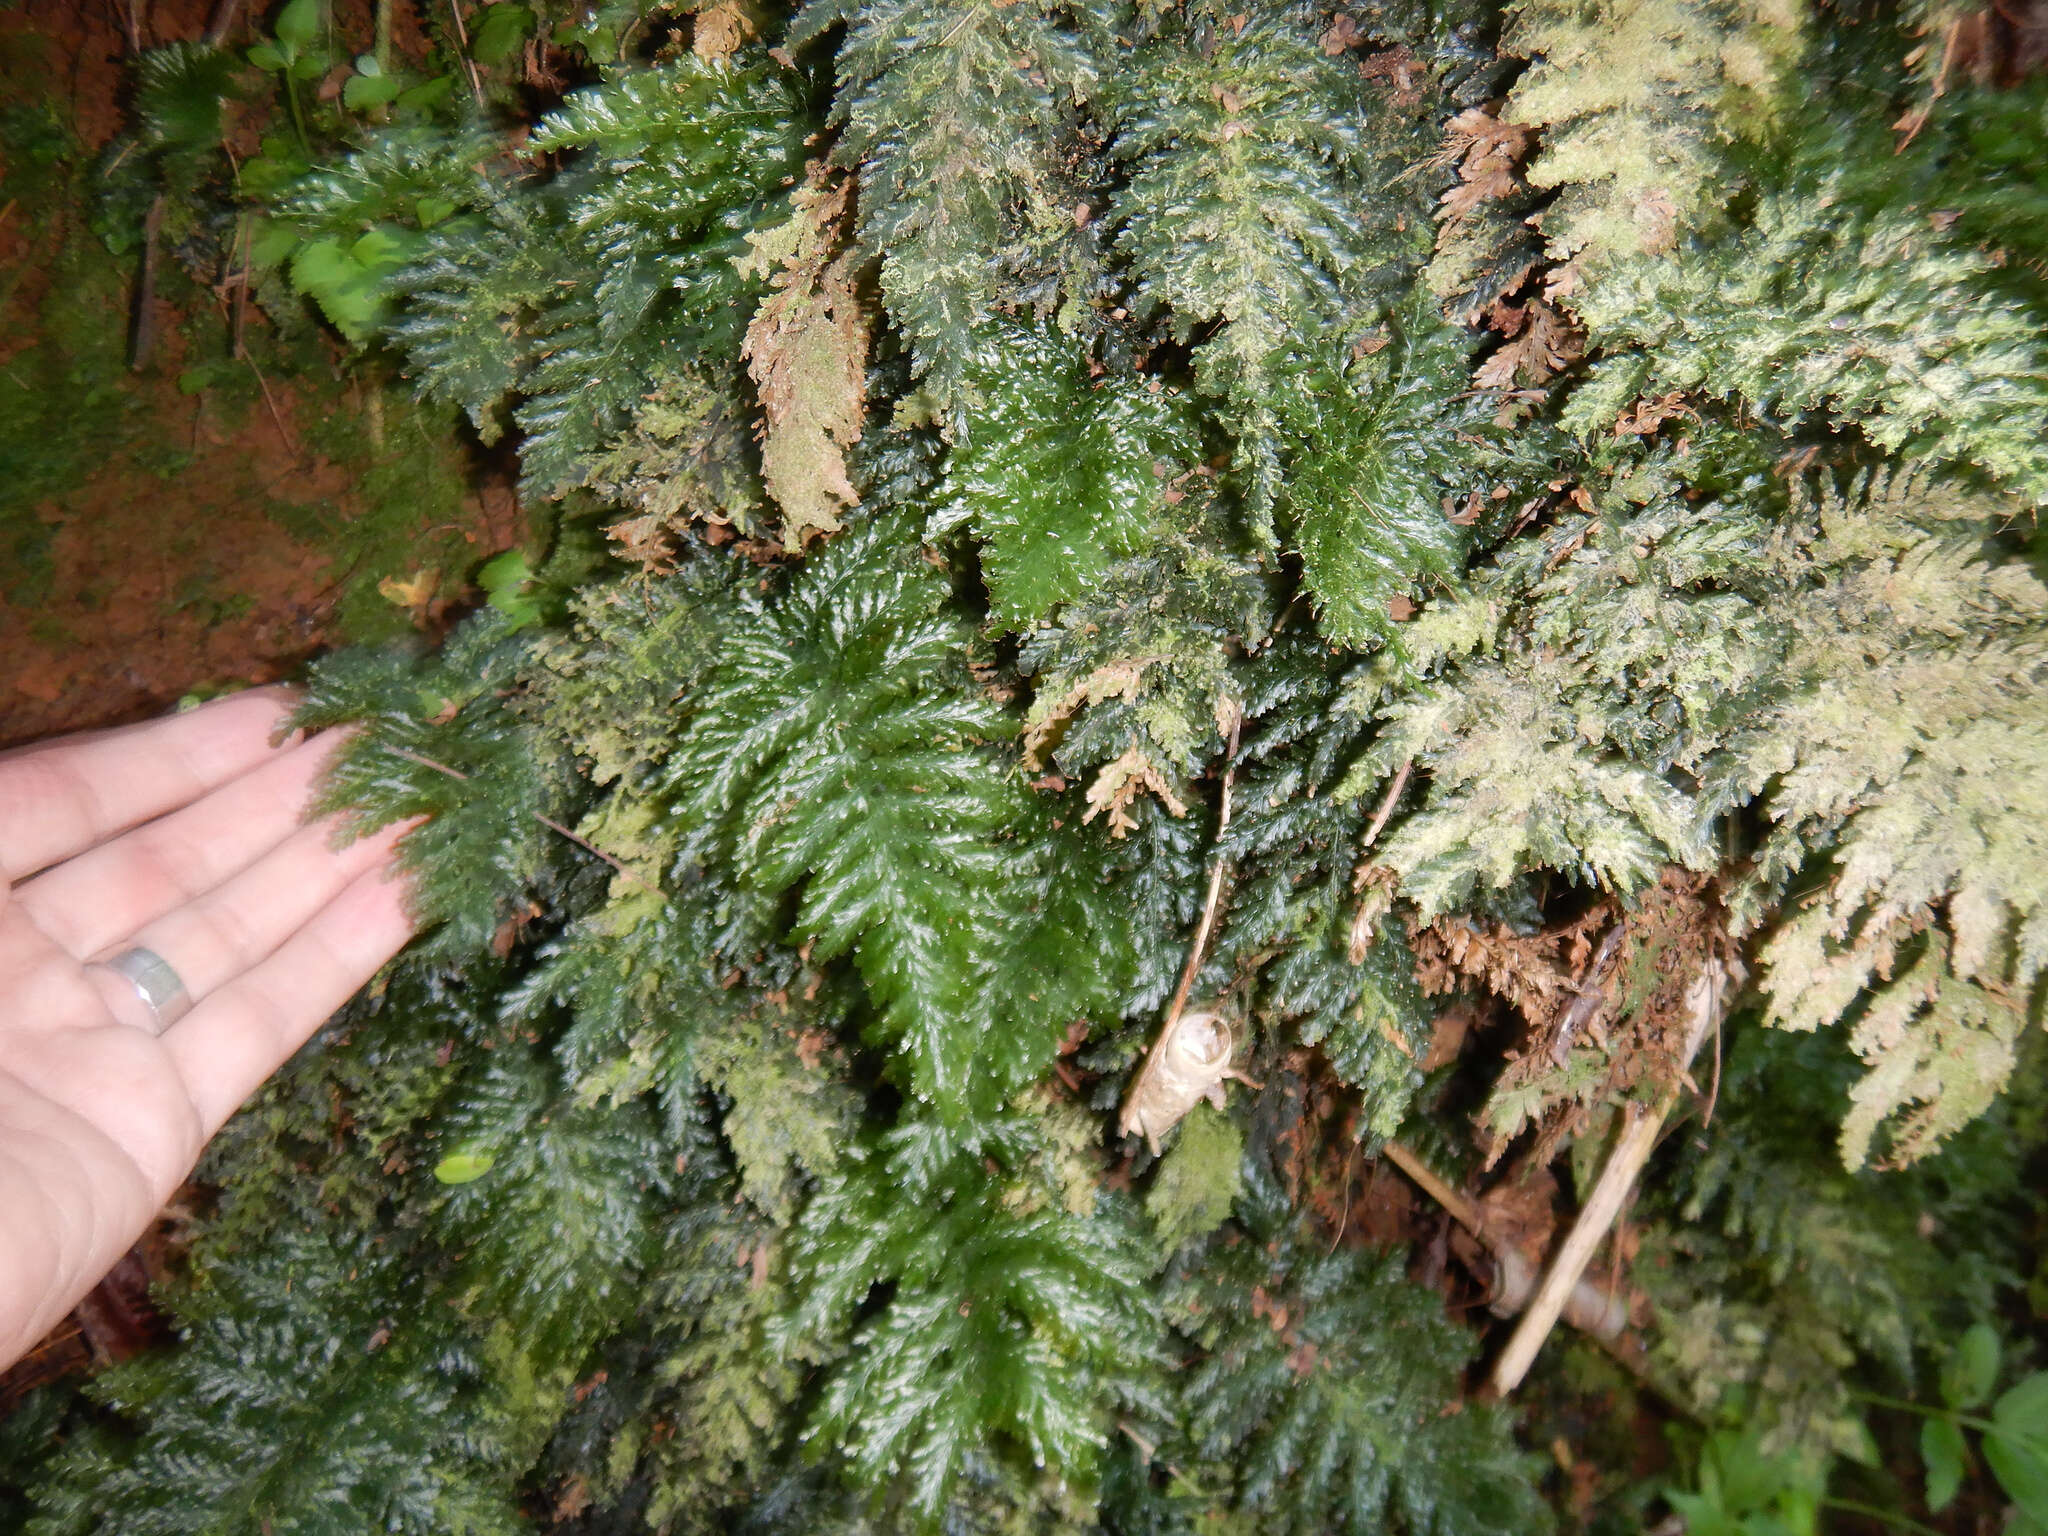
pixel 925 540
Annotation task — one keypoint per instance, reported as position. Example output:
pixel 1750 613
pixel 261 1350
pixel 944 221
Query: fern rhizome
pixel 1402 585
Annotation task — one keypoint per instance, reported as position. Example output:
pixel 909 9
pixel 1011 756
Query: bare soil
pixel 169 566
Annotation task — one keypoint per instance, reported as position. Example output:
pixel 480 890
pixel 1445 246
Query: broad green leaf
pixel 361 92
pixel 499 33
pixel 2021 1466
pixel 297 25
pixel 420 97
pixel 2017 1448
pixel 266 57
pixel 1972 1369
pixel 272 243
pixel 464 1167
pixel 1941 1451
pixel 2023 1410
pixel 506 581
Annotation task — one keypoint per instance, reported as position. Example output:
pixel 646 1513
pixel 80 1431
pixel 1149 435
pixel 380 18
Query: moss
pixel 408 507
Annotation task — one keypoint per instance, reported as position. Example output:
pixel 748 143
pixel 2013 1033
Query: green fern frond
pixel 1374 489
pixel 180 90
pixel 315 1395
pixel 958 117
pixel 1012 1326
pixel 1247 149
pixel 524 1159
pixel 1056 508
pixel 1910 743
pixel 439 742
pixel 1332 1401
pixel 855 677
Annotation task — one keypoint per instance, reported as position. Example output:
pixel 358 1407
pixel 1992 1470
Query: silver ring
pixel 156 984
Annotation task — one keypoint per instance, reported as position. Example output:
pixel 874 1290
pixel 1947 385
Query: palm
pixel 271 929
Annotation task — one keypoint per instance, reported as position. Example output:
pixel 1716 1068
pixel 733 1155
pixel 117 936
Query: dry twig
pixel 1706 997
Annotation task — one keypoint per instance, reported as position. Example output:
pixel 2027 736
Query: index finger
pixel 62 798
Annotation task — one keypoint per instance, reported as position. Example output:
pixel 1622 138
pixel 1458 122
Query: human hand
pixel 183 837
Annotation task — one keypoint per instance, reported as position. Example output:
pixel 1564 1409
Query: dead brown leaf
pixel 1648 415
pixel 1488 154
pixel 721 28
pixel 807 352
pixel 1118 785
pixel 1548 342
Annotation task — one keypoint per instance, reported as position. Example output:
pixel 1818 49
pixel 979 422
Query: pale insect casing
pixel 1188 1062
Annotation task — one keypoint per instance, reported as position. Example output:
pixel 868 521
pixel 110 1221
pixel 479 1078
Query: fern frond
pixel 1820 312
pixel 1634 99
pixel 1372 489
pixel 855 678
pixel 1012 1327
pixel 1247 150
pixel 958 117
pixel 1056 508
pixel 439 742
pixel 315 1395
pixel 1331 1400
pixel 561 1224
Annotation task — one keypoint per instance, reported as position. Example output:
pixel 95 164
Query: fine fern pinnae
pixel 1879 322
pixel 1633 100
pixel 1930 809
pixel 855 677
pixel 1055 511
pixel 1013 1323
pixel 959 118
pixel 1246 148
pixel 1390 476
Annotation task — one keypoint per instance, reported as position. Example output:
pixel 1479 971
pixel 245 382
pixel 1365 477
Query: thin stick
pixel 1714 1093
pixel 553 826
pixel 142 333
pixel 237 349
pixel 1585 1306
pixel 270 401
pixel 1463 1211
pixel 1344 1222
pixel 476 84
pixel 222 19
pixel 1208 923
pixel 1631 1151
pixel 1379 820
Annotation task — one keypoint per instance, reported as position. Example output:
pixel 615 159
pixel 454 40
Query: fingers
pixel 242 921
pixel 61 799
pixel 107 893
pixel 236 1038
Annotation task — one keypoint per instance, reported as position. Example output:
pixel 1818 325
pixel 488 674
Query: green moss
pixel 411 508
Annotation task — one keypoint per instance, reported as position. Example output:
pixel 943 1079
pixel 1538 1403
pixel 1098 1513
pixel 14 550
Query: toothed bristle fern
pixel 1308 518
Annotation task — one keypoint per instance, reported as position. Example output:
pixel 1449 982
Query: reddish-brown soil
pixel 172 570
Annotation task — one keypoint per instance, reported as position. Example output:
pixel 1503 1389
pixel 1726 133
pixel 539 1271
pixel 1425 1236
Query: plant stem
pixel 1879 1400
pixel 1707 998
pixel 291 96
pixel 476 84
